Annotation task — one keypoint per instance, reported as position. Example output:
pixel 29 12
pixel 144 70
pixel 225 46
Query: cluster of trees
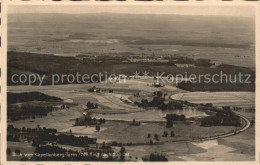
pixel 16 151
pixel 87 120
pixel 13 138
pixel 222 118
pixel 92 105
pixel 39 129
pixel 65 139
pixel 74 140
pixel 173 117
pixel 15 112
pixel 35 135
pixel 30 96
pixel 155 157
pixel 40 136
pixel 159 102
pixel 28 109
pixel 12 129
pixel 165 134
pixel 156 136
pixel 111 91
pixel 159 93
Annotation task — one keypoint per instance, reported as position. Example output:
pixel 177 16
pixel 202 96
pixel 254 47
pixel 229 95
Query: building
pixel 157 84
pixel 185 65
pixel 94 89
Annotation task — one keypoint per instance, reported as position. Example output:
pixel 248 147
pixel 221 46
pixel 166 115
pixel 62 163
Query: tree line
pixel 222 118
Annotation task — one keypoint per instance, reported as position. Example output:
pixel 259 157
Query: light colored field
pixel 25 148
pixel 109 102
pixel 124 132
pixel 213 148
pixel 235 148
pixel 219 98
pixel 171 150
pixel 77 93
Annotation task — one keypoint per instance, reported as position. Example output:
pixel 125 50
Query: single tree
pixel 17 151
pixel 156 137
pixel 172 134
pixel 122 153
pixel 165 134
pixel 97 128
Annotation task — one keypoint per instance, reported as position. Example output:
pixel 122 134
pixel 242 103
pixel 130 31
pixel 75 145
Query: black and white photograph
pixel 130 83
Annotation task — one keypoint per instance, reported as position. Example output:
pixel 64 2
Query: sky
pixel 245 11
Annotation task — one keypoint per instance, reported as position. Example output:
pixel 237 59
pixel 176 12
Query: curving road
pixel 245 125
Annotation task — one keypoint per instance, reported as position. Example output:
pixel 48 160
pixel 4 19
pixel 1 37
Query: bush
pixel 165 134
pixel 91 105
pixel 173 117
pixel 159 102
pixel 17 151
pixel 155 157
pixel 97 128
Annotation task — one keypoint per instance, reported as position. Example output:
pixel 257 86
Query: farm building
pixel 57 107
pixel 185 65
pixel 94 89
pixel 157 84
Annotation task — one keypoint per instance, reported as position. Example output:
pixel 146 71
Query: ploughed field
pixel 242 99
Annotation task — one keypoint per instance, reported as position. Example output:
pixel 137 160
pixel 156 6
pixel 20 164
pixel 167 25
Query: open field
pixel 123 132
pixel 22 146
pixel 109 101
pixel 242 99
pixel 59 120
pixel 240 147
pixel 119 115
